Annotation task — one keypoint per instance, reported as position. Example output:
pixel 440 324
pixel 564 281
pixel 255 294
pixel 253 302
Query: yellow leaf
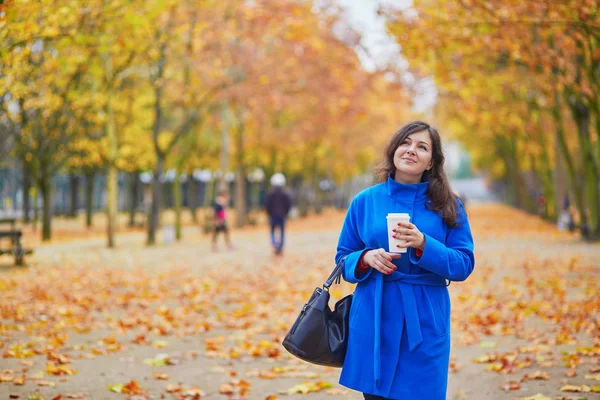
pixel 537 396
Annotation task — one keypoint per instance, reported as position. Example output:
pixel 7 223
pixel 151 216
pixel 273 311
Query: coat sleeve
pixel 453 260
pixel 351 246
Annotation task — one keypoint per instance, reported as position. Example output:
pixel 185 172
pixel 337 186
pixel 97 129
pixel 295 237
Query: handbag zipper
pixel 298 320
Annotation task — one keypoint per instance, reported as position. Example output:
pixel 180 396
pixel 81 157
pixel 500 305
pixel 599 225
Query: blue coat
pixel 399 337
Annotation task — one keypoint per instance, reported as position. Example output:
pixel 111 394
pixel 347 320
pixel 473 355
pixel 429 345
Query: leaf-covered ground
pixel 181 322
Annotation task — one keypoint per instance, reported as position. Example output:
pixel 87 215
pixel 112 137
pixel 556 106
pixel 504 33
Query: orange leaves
pixel 509 315
pixel 236 387
pixel 131 387
pixel 20 351
pixel 53 369
pixel 160 376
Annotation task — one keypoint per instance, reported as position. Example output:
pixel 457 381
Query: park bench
pixel 14 237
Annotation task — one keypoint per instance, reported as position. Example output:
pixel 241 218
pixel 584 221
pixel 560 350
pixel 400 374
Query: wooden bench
pixel 14 235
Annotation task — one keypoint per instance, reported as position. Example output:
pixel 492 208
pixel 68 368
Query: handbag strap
pixel 335 274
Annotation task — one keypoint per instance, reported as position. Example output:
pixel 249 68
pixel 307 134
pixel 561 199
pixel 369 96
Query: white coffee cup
pixel 392 223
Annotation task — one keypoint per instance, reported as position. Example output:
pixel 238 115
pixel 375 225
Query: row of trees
pixel 143 85
pixel 519 84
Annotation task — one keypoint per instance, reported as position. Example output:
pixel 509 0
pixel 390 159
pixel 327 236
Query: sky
pixel 362 16
pixel 381 48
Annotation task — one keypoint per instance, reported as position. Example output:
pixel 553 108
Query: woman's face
pixel 414 155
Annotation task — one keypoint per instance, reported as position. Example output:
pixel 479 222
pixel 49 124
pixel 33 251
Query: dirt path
pixel 177 317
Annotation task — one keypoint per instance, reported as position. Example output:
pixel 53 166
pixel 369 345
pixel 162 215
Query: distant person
pixel 278 204
pixel 566 220
pixel 220 208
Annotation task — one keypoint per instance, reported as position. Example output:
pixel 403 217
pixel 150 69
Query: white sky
pixel 382 49
pixel 362 16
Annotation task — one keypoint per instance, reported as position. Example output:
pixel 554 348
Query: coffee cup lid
pixel 398 215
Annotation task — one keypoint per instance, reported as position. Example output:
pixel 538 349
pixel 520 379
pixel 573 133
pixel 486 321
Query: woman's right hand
pixel 381 260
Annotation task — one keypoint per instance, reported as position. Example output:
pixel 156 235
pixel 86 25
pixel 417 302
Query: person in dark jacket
pixel 278 204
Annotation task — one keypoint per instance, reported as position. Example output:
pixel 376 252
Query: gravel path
pixel 213 321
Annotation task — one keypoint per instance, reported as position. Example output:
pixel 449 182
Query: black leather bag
pixel 319 335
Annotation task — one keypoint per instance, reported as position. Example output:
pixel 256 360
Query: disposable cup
pixel 392 223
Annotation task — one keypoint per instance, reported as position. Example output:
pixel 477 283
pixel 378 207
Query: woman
pixel 399 337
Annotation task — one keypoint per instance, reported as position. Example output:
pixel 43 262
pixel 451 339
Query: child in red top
pixel 220 207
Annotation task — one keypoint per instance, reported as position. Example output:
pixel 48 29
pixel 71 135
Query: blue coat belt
pixel 413 324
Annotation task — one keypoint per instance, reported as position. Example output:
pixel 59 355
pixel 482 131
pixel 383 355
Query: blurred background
pixel 122 110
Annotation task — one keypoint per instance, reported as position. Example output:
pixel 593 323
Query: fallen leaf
pixel 537 375
pixel 226 389
pixel 132 387
pixel 160 375
pixel 173 388
pixel 537 396
pixel 6 377
pixel 308 387
pixel 159 344
pixel 512 385
pixel 577 389
pixel 116 388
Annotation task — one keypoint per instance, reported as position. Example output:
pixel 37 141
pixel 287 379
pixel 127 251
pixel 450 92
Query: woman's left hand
pixel 410 234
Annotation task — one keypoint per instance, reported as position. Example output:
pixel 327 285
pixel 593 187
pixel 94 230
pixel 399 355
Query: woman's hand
pixel 410 234
pixel 381 260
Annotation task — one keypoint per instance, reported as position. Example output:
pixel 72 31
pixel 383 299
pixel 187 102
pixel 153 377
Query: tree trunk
pixel 177 197
pixel 74 189
pixel 112 184
pixel 26 198
pixel 581 116
pixel 46 189
pixel 111 204
pixel 560 176
pixel 89 197
pixel 155 202
pixel 224 157
pixel 241 210
pixel 193 197
pixel 517 182
pixel 566 156
pixel 133 197
pixel 35 209
pixel 547 181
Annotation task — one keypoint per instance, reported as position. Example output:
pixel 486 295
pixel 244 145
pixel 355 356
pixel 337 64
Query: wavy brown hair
pixel 441 198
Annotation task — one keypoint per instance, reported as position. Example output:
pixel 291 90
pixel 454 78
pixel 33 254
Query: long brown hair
pixel 441 198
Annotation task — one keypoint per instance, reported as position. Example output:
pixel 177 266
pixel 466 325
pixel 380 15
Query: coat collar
pixel 417 191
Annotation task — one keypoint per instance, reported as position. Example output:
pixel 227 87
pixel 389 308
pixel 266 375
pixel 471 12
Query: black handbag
pixel 319 335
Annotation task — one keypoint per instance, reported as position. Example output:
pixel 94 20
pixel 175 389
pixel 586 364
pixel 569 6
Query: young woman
pixel 399 338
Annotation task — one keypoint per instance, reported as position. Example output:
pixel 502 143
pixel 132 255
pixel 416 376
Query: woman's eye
pixel 423 147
